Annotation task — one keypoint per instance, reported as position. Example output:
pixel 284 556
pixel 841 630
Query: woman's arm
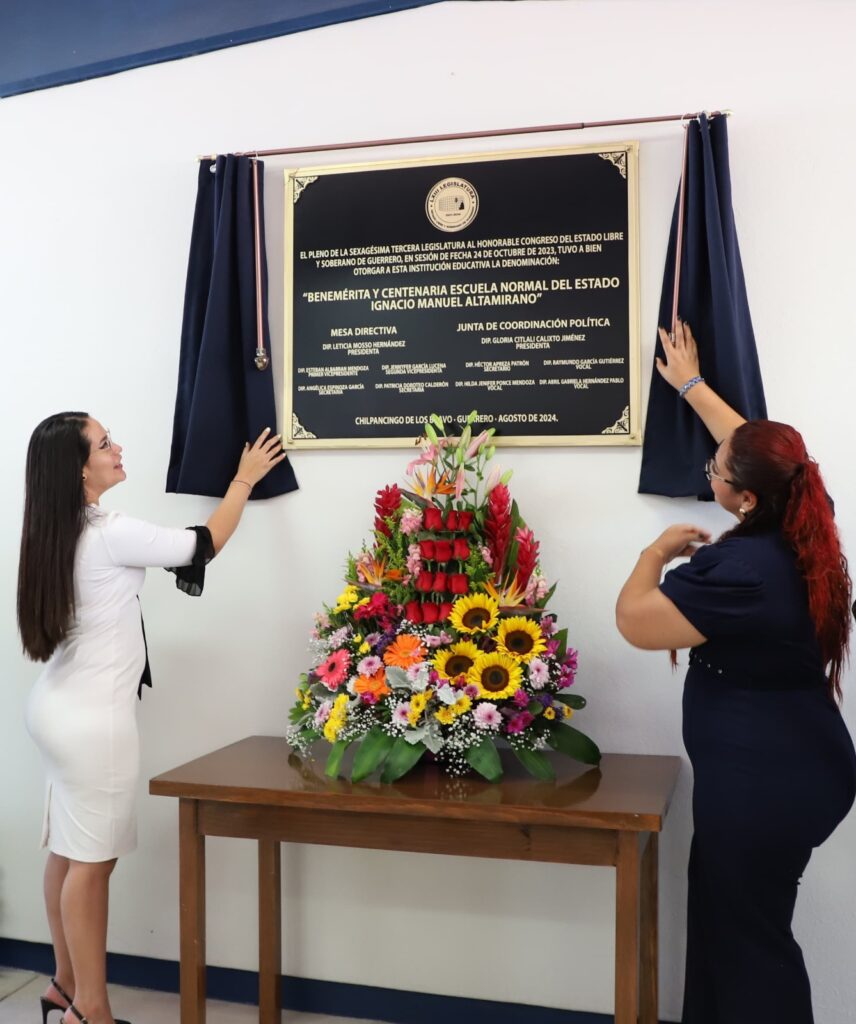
pixel 682 365
pixel 256 462
pixel 644 615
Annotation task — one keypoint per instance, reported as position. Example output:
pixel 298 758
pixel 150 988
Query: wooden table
pixel 259 789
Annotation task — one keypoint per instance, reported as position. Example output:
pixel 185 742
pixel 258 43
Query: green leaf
pixel 371 754
pixel 402 758
pixel 535 763
pixel 573 700
pixel 430 433
pixel 310 735
pixel 296 712
pixel 334 759
pixel 573 743
pixel 535 707
pixel 548 596
pixel 562 637
pixel 485 760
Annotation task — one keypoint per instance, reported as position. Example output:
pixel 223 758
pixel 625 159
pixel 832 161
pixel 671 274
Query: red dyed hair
pixel 770 459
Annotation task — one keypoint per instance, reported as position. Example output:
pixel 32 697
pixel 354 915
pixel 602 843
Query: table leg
pixel 191 898
pixel 627 929
pixel 648 934
pixel 270 933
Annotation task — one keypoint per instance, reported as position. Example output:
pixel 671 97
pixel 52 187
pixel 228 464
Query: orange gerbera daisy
pixel 405 651
pixel 375 685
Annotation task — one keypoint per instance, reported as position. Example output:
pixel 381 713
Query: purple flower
pixel 471 691
pixel 323 712
pixel 552 647
pixel 372 639
pixel 521 698
pixel 548 625
pixel 368 666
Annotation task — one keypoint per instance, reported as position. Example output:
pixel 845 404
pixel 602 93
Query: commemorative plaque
pixel 503 282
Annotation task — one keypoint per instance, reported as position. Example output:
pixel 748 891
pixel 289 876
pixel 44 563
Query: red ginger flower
pixel 386 504
pixel 527 555
pixel 497 526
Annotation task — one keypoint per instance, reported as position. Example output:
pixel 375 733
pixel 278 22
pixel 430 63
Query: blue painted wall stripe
pixel 308 995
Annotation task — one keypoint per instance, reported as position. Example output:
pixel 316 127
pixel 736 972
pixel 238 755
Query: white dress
pixel 82 712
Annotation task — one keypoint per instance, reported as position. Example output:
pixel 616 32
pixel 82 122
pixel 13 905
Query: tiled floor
pixel 20 991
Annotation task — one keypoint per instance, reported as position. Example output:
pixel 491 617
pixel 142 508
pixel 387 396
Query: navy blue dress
pixel 775 773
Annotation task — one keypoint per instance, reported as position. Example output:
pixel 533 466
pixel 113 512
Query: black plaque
pixel 506 283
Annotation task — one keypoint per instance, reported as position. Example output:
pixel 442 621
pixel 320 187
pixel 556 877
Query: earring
pixel 742 511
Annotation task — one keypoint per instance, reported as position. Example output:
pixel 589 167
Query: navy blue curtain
pixel 713 302
pixel 222 399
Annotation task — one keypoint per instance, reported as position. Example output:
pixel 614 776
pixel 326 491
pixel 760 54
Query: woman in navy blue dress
pixel 766 613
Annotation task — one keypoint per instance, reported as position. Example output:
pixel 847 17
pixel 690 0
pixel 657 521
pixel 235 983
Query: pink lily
pixel 475 444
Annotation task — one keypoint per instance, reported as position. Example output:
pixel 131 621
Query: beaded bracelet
pixel 691 383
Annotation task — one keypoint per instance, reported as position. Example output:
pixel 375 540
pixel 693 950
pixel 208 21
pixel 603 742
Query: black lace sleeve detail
pixel 191 578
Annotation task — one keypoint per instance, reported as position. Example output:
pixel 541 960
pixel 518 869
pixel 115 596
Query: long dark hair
pixel 770 459
pixel 54 517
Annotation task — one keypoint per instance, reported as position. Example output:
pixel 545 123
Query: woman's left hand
pixel 680 541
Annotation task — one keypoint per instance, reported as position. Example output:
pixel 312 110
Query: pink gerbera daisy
pixel 333 671
pixel 486 716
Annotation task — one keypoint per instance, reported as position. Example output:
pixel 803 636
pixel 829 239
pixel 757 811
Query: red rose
pixel 445 611
pixel 413 611
pixel 426 548
pixel 460 549
pixel 439 583
pixel 464 520
pixel 423 581
pixel 430 612
pixel 433 519
pixel 458 583
pixel 442 550
pixel 451 520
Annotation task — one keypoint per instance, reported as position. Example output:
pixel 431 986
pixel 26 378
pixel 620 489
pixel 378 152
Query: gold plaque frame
pixel 625 432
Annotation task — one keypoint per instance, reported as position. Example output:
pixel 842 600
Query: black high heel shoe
pixel 49 1004
pixel 80 1016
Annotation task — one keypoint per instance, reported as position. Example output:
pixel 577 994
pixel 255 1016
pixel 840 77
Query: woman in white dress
pixel 80 572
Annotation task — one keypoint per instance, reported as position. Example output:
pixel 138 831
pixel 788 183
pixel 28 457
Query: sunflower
pixel 405 651
pixel 520 638
pixel 496 675
pixel 474 613
pixel 456 660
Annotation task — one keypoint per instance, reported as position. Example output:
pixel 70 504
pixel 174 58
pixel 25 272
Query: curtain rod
pixel 493 133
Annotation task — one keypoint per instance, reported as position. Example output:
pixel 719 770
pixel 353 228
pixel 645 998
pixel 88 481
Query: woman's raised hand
pixel 680 541
pixel 681 351
pixel 258 460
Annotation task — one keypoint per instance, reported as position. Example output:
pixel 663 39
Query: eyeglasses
pixel 107 444
pixel 711 474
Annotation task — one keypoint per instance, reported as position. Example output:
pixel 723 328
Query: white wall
pixel 98 184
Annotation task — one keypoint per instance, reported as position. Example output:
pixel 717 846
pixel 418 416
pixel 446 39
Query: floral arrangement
pixel 441 642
